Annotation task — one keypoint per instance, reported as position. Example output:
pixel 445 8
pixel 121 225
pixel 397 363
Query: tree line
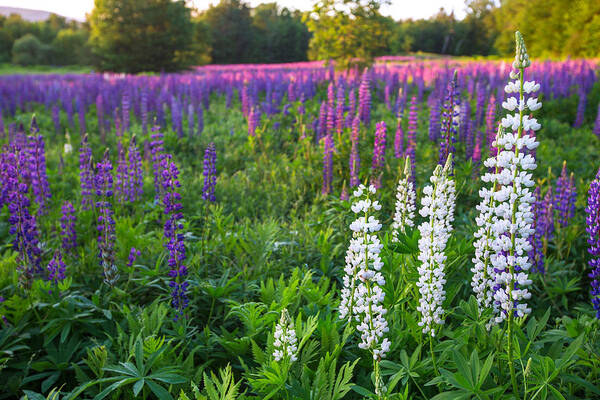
pixel 167 35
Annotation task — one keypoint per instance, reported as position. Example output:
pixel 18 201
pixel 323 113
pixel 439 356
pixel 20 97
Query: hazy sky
pixel 400 9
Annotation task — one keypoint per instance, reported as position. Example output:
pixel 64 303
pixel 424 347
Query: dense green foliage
pixel 264 34
pixel 351 33
pixel 54 41
pixel 142 35
pixel 159 35
pixel 272 241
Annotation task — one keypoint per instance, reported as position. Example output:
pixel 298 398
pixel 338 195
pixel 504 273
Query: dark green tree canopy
pixel 141 35
pixel 351 32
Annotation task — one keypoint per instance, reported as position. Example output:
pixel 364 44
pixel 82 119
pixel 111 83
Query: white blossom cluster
pixel 505 220
pixel 437 205
pixel 285 339
pixel 485 236
pixel 362 294
pixel 405 203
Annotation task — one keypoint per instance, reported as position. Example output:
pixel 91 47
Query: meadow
pixel 204 235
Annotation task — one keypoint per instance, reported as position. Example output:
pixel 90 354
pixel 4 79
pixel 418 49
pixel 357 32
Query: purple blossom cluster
pixel 210 173
pixel 327 164
pixel 449 124
pixel 565 197
pixel 67 227
pixel 86 174
pixel 364 98
pixel 411 148
pixel 593 231
pixel 378 161
pixel 56 268
pixel 23 225
pixel 354 162
pixel 106 222
pixel 174 237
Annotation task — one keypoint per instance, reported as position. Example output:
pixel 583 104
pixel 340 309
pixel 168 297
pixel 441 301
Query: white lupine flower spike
pixel 362 294
pixel 405 203
pixel 438 207
pixel 501 262
pixel 286 342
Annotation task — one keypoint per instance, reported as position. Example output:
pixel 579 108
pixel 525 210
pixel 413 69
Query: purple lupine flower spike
pixel 364 98
pixel 135 173
pixel 564 199
pixel 22 224
pixel 593 230
pixel 597 123
pixel 411 148
pixel 56 268
pixel 399 139
pixel 172 233
pixel 327 164
pixel 378 161
pixel 434 121
pixel 449 124
pixel 579 117
pixel 354 154
pixel 67 227
pixel 210 173
pixel 121 189
pixel 86 174
pixel 157 151
pixel 144 111
pixel 536 254
pixel 106 222
pixel 37 168
pixel 133 255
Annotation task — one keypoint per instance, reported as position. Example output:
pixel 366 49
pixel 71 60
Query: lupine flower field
pixel 421 229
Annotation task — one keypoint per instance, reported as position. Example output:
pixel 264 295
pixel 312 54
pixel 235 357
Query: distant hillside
pixel 26 14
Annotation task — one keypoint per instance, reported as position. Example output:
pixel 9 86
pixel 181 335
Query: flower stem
pixel 433 355
pixel 511 367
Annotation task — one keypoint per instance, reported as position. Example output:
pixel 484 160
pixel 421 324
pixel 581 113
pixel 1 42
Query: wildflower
pixel 565 197
pixel 67 227
pixel 364 98
pixel 135 173
pixel 37 168
pixel 354 154
pixel 327 164
pixel 286 342
pixel 157 150
pixel 56 268
pixel 86 174
pixel 106 222
pixel 22 224
pixel 210 173
pixel 399 139
pixel 133 255
pixel 593 231
pixel 378 154
pixel 405 203
pixel 411 148
pixel 362 295
pixel 513 226
pixel 172 233
pixel 449 122
pixel 437 206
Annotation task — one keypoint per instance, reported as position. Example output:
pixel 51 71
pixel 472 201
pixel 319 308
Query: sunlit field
pixel 289 231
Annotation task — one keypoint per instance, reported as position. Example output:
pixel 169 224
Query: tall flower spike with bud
pixel 515 217
pixel 438 207
pixel 286 342
pixel 362 295
pixel 405 203
pixel 513 226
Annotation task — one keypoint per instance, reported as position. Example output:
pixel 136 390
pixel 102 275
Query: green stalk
pixel 511 367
